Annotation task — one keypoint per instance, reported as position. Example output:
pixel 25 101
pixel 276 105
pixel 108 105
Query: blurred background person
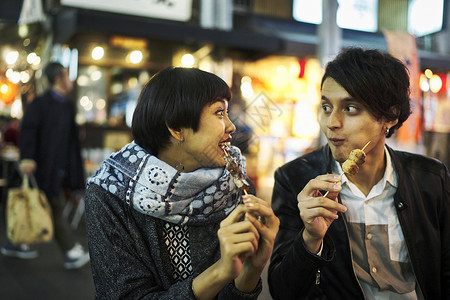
pixel 50 148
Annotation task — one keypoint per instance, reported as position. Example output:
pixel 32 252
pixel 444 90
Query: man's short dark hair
pixel 377 79
pixel 53 70
pixel 174 97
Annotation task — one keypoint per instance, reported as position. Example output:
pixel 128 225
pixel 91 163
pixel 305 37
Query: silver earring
pixel 386 132
pixel 179 166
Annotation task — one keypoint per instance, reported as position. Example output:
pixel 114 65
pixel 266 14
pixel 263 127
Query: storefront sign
pixel 177 10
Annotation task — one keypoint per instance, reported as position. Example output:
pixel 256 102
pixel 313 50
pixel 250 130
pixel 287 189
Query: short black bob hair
pixel 377 79
pixel 175 98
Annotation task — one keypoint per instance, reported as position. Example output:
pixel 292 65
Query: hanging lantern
pixel 8 91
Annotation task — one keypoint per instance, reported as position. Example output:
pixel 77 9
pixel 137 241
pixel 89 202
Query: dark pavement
pixel 44 277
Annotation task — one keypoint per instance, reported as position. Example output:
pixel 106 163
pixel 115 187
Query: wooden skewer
pixel 365 146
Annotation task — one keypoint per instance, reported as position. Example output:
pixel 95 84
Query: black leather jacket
pixel 423 206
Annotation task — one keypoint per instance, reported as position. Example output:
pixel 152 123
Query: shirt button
pixel 374 270
pixel 369 236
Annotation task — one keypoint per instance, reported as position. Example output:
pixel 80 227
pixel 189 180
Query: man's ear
pixel 176 134
pixel 395 110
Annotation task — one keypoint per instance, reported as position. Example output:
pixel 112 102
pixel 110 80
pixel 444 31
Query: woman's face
pixel 347 123
pixel 201 148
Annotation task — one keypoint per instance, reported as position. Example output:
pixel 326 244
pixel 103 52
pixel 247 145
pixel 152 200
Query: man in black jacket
pixel 49 146
pixel 381 233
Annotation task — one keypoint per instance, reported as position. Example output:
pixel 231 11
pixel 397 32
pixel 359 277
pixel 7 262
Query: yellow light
pixel 97 53
pixel 428 73
pixel 100 104
pixel 15 78
pixel 136 56
pixel 9 73
pixel 281 69
pixel 84 101
pixel 187 60
pixel 247 90
pixel 31 58
pixel 295 69
pixel 132 82
pixel 246 79
pixel 435 83
pixel 11 57
pixel 24 76
pixel 4 88
pixel 23 30
pixel 424 86
pixel 37 61
pixel 96 75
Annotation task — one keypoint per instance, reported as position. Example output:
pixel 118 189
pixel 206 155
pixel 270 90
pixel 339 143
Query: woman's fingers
pixel 235 216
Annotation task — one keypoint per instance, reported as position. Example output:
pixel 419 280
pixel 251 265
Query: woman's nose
pixel 230 128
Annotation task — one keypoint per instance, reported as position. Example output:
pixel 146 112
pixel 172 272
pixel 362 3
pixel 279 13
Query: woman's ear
pixel 176 134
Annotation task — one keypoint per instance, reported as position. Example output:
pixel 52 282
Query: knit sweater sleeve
pixel 121 261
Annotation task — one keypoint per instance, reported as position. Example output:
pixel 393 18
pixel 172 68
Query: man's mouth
pixel 336 142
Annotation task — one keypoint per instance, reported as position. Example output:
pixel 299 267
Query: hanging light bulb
pixel 97 53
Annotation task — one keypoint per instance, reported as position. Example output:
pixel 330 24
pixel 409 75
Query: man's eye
pixel 326 108
pixel 351 108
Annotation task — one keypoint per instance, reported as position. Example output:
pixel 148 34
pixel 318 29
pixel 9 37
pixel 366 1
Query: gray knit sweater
pixel 129 259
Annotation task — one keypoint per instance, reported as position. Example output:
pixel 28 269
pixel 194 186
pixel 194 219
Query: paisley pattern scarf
pixel 154 188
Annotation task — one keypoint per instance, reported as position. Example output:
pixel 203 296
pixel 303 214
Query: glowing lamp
pixel 8 91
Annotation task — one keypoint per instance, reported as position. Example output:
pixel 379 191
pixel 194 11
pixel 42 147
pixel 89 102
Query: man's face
pixel 347 123
pixel 64 83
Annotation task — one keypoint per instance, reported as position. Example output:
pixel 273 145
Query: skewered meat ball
pixel 350 167
pixel 233 167
pixel 356 158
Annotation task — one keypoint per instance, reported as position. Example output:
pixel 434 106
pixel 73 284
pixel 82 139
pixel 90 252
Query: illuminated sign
pixel 176 10
pixel 351 14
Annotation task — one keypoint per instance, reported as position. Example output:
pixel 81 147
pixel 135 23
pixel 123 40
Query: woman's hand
pixel 317 211
pixel 238 239
pixel 263 218
pixel 261 215
pixel 245 247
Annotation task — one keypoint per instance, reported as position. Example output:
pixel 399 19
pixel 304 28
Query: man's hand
pixel 317 211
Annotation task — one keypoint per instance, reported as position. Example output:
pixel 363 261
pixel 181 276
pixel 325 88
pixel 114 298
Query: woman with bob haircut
pixel 165 219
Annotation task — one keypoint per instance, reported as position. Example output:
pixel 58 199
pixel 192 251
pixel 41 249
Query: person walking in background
pixel 50 148
pixel 380 233
pixel 165 218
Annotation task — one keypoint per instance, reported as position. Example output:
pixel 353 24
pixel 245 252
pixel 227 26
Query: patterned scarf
pixel 154 188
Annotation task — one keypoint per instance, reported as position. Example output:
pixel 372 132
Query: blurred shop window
pixel 125 87
pixel 91 95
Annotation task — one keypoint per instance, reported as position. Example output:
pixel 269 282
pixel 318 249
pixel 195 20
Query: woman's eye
pixel 221 112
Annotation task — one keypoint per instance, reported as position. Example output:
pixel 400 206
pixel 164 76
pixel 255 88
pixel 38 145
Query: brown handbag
pixel 28 214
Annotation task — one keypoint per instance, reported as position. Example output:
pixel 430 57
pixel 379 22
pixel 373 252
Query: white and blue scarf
pixel 154 188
